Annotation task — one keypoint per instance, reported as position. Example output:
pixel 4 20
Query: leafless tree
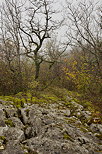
pixel 33 28
pixel 10 33
pixel 83 30
pixel 10 40
pixel 55 51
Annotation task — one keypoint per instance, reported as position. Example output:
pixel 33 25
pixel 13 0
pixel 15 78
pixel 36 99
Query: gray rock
pixel 2 123
pixel 14 134
pixel 11 111
pixel 47 120
pixel 83 140
pixel 2 114
pixel 12 148
pixel 66 112
pixel 24 115
pixel 44 145
pixel 28 132
pixel 36 124
pixel 45 112
pixel 86 114
pixel 48 129
pixel 3 129
pixel 54 133
pixel 96 128
pixel 33 111
pixel 47 146
pixel 2 118
pixel 17 122
pixel 100 127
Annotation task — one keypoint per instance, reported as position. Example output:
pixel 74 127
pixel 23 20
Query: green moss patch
pixel 4 140
pixel 9 123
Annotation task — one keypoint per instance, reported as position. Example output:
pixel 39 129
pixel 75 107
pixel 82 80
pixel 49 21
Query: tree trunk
pixel 37 70
pixel 37 66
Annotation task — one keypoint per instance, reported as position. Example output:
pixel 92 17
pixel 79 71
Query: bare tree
pixel 83 30
pixel 10 34
pixel 54 51
pixel 34 28
pixel 10 40
pixel 29 25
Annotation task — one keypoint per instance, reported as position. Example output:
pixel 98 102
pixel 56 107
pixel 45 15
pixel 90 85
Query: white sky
pixel 58 5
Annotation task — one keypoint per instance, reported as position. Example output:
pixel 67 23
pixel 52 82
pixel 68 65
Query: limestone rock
pixel 11 112
pixel 48 129
pixel 12 148
pixel 96 128
pixel 24 115
pixel 17 122
pixel 3 129
pixel 66 112
pixel 2 114
pixel 14 134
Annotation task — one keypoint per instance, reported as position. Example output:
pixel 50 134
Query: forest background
pixel 47 44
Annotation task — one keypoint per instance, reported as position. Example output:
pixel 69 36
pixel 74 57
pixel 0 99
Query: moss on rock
pixel 9 123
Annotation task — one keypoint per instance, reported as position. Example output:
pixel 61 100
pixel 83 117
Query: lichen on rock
pixel 47 125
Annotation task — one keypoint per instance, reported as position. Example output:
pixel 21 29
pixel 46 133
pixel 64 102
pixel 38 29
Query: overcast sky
pixel 59 4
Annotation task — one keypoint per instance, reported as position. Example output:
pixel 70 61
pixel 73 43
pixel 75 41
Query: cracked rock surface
pixel 48 129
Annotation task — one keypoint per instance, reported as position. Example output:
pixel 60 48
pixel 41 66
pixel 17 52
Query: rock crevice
pixel 50 129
